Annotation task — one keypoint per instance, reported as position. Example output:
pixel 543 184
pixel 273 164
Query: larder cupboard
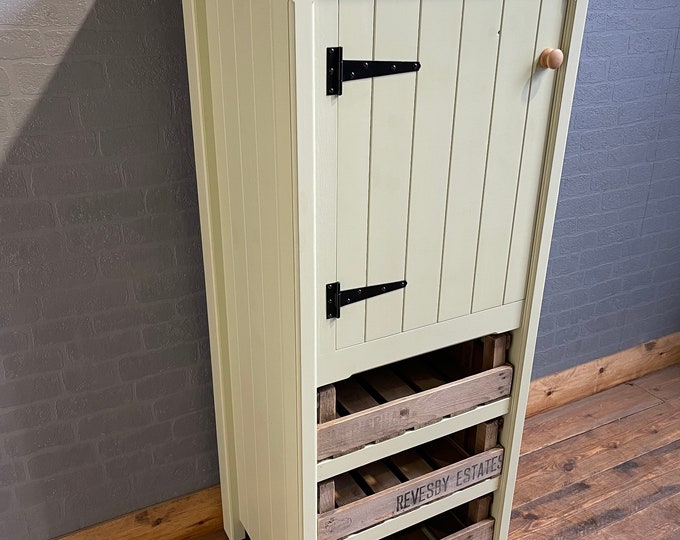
pixel 377 182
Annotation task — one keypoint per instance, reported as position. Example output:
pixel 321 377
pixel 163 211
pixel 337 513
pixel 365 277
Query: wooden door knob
pixel 551 58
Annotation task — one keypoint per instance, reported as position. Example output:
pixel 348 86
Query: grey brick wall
pixel 105 391
pixel 614 271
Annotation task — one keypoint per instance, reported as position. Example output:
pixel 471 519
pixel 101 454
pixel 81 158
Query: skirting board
pixel 200 513
pixel 592 377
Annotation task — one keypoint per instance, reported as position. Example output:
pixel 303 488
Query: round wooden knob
pixel 551 58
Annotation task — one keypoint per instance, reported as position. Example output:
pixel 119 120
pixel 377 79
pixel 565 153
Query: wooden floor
pixel 605 467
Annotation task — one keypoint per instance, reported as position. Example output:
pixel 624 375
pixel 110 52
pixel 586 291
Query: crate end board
pixel 394 417
pixel 397 500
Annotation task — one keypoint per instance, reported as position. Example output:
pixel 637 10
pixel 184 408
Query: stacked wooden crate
pixel 386 402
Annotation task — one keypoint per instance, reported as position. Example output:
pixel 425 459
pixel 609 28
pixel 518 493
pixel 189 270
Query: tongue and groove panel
pixel 438 171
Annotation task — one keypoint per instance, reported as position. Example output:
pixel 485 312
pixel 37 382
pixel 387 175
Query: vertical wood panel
pixel 203 52
pixel 436 88
pixel 287 466
pixel 250 187
pixel 268 372
pixel 326 165
pixel 540 104
pixel 479 49
pixel 354 143
pixel 396 38
pixel 513 80
pixel 221 20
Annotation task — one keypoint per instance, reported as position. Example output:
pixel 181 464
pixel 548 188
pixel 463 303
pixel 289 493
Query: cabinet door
pixel 429 177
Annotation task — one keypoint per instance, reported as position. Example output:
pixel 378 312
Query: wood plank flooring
pixel 606 467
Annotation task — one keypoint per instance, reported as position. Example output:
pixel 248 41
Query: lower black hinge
pixel 335 298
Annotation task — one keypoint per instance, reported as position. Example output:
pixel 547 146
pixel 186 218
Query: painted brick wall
pixel 105 389
pixel 614 271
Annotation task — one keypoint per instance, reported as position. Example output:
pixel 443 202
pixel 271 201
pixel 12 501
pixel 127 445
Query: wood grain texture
pixel 186 518
pixel 326 496
pixel 394 417
pixel 660 521
pixel 479 531
pixel 576 459
pixel 584 415
pixel 494 347
pixel 587 379
pixel 394 501
pixel 618 476
pixel 326 399
pixel 347 490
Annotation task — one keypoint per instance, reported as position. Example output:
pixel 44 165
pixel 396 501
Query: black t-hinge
pixel 335 298
pixel 339 70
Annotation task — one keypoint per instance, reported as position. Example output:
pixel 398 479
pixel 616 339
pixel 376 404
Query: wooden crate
pixel 385 402
pixel 450 525
pixel 369 495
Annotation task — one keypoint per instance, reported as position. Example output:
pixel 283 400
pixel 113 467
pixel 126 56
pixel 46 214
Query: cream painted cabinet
pixel 377 181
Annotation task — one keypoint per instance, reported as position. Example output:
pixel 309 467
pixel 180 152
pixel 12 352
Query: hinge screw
pixel 352 75
pixel 365 65
pixel 394 67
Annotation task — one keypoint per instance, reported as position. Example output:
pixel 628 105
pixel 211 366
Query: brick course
pixel 614 271
pixel 102 303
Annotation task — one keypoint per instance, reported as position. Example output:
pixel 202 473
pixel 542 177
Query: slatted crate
pixel 456 524
pixel 359 499
pixel 386 402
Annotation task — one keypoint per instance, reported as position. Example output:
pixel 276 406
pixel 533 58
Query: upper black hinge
pixel 339 70
pixel 335 298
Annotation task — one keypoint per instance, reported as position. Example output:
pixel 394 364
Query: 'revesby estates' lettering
pixel 440 486
pixel 478 470
pixel 422 493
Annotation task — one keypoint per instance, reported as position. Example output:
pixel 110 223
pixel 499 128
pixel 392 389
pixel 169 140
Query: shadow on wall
pixel 105 388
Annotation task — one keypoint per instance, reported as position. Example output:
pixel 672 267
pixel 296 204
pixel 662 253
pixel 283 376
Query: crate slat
pixel 353 397
pixel 378 476
pixel 347 490
pixel 420 375
pixel 478 510
pixel 394 417
pixel 387 384
pixel 408 496
pixel 326 496
pixel 494 350
pixel 478 531
pixel 326 400
pixel 411 464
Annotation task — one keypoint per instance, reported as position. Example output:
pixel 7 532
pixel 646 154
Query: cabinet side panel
pixel 202 111
pixel 254 149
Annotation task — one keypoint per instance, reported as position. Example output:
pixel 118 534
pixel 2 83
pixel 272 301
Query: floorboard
pixel 606 467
